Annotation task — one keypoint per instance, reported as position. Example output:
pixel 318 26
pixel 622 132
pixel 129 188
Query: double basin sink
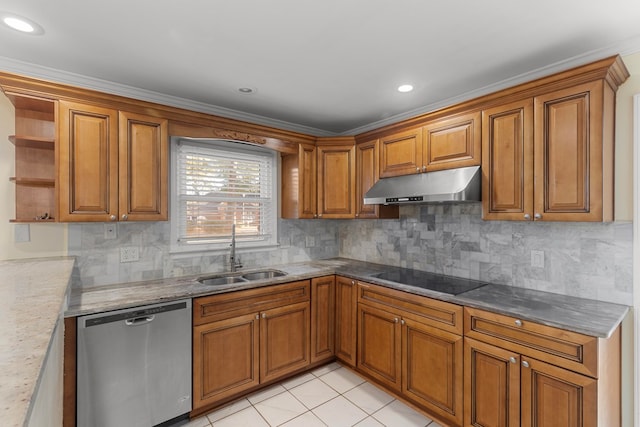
pixel 239 277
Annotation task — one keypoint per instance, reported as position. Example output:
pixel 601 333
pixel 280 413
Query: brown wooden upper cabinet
pixel 112 165
pixel 319 181
pixel 443 143
pixel 550 157
pixel 367 174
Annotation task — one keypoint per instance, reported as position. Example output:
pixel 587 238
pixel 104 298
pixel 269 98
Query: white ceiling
pixel 323 67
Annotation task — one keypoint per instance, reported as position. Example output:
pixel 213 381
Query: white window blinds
pixel 222 184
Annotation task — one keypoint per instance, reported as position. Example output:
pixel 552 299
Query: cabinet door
pixel 225 358
pixel 87 163
pixel 284 340
pixel 336 181
pixel 299 183
pixel 553 396
pixel 401 153
pixel 144 149
pixel 432 364
pixel 491 386
pixel 507 161
pixel 569 154
pixel 346 319
pixel 367 171
pixel 452 142
pixel 323 299
pixel 379 350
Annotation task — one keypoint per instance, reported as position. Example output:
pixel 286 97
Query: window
pixel 216 184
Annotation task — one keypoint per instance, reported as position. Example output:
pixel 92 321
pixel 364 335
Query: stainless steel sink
pixel 221 280
pixel 264 274
pixel 231 278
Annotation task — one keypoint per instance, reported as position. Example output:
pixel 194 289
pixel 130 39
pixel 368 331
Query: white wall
pixel 46 239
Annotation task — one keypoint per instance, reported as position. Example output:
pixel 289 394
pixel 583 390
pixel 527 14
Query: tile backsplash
pixel 590 260
pixel 98 259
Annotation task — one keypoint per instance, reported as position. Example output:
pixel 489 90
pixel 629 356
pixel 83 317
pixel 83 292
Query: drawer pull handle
pixel 525 364
pixel 512 359
pixel 518 322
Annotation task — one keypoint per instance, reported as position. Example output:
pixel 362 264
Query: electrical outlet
pixel 129 254
pixel 110 231
pixel 537 259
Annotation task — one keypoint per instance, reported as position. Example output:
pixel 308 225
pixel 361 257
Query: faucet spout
pixel 232 256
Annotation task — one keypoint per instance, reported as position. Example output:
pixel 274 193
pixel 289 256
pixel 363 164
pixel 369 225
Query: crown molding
pixel 628 47
pixel 65 77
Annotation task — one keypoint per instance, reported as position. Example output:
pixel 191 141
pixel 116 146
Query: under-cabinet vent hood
pixel 452 185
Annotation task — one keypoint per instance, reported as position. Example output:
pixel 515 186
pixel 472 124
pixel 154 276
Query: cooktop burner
pixel 431 281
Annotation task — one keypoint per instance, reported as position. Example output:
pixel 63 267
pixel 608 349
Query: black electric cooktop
pixel 431 281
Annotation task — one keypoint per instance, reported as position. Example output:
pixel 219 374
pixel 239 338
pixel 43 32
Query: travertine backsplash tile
pixel 589 260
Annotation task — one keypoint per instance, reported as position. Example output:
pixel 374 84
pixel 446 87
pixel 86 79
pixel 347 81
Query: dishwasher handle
pixel 136 321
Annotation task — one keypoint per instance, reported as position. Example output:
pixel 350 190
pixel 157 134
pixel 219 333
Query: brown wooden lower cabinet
pixel 404 351
pixel 521 373
pixel 323 314
pixel 346 316
pixel 247 338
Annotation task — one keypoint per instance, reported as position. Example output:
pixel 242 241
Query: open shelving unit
pixel 35 171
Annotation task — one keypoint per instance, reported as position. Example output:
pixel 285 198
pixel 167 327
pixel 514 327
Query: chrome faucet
pixel 235 264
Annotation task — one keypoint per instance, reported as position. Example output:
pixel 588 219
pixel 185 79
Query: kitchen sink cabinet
pixel 521 373
pixel 550 157
pixel 367 174
pixel 323 308
pixel 346 320
pixel 246 338
pixel 412 345
pixel 112 165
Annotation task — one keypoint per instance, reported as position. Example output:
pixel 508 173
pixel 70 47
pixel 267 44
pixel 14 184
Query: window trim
pixel 176 246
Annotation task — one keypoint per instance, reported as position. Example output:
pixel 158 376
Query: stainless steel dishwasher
pixel 134 366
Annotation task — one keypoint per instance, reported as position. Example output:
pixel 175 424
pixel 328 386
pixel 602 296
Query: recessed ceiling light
pixel 21 24
pixel 405 88
pixel 246 90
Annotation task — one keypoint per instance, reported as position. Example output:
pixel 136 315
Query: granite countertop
pixel 595 318
pixel 32 299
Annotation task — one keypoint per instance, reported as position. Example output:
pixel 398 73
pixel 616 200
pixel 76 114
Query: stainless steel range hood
pixel 452 185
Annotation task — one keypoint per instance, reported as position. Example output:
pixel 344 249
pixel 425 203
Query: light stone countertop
pixel 32 300
pixel 590 317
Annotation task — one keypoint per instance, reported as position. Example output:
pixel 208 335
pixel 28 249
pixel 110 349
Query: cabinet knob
pixel 396 320
pixel 527 217
pixel 125 217
pixel 357 215
pixel 424 168
pixel 402 322
pixel 112 218
pixel 264 315
pixel 257 317
pixel 418 169
pixel 537 216
pixel 315 215
pixel 319 215
pixel 518 322
pixel 525 364
pixel 353 282
pixel 512 359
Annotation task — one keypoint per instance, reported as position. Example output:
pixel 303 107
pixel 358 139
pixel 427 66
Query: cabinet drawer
pixel 232 304
pixel 563 348
pixel 429 311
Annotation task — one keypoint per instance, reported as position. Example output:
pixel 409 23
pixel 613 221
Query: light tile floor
pixel 331 395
